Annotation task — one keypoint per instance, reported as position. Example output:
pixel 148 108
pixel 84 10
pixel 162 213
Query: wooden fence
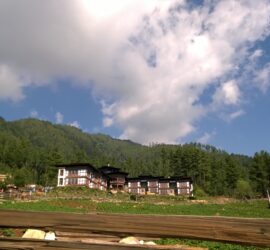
pixel 225 229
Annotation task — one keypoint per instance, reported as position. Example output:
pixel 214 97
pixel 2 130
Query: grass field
pixel 207 244
pixel 252 209
pixel 255 209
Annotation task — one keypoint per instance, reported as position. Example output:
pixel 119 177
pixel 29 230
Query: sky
pixel 155 71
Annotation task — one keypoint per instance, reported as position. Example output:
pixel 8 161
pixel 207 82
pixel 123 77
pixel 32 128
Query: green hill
pixel 29 148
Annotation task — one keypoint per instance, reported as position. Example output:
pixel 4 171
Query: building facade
pixel 159 185
pixel 116 177
pixel 81 174
pixel 111 178
pixel 143 185
pixel 134 186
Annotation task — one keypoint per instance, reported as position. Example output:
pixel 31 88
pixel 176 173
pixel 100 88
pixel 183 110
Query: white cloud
pixel 59 118
pixel 10 84
pixel 149 71
pixel 107 122
pixel 206 137
pixel 236 114
pixel 75 124
pixel 228 94
pixel 34 114
pixel 256 54
pixel 262 77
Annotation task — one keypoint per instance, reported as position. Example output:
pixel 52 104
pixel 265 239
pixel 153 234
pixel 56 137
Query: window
pixel 81 181
pixel 153 190
pixel 82 172
pixel 72 181
pixel 61 182
pixel 73 172
pixel 152 183
pixel 134 184
pixel 183 184
pixel 164 185
pixel 61 172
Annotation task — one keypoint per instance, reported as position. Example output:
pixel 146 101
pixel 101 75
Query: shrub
pixel 7 232
pixel 243 189
pixel 3 185
pixel 199 192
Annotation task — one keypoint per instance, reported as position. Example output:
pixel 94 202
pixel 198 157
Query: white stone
pixel 34 234
pixel 50 236
pixel 150 243
pixel 130 241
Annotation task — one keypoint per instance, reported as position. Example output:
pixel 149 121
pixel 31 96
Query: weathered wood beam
pixel 226 229
pixel 28 244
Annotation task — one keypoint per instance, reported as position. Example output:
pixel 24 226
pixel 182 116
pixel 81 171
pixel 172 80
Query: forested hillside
pixel 30 148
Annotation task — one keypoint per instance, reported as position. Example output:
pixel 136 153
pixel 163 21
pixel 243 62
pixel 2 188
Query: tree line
pixel 30 148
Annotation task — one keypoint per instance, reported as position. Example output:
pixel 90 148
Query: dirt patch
pixel 199 201
pixel 223 200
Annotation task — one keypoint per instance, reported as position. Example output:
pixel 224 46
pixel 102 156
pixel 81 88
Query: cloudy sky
pixel 163 71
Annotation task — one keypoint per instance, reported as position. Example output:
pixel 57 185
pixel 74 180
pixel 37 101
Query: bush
pixel 199 192
pixel 133 197
pixel 3 185
pixel 7 232
pixel 243 190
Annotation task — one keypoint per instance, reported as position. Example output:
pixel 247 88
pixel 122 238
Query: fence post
pixel 268 198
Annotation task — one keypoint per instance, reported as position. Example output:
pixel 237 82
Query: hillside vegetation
pixel 30 148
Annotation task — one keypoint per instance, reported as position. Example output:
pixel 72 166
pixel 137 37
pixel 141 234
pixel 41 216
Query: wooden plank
pixel 81 236
pixel 104 237
pixel 227 229
pixel 31 244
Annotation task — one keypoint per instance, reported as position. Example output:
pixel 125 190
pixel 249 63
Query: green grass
pixel 7 232
pixel 76 192
pixel 206 244
pixel 61 205
pixel 252 209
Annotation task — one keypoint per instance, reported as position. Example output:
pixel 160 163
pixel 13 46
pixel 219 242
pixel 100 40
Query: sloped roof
pixel 109 169
pixel 77 164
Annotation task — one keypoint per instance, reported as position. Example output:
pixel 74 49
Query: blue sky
pixel 149 71
pixel 74 104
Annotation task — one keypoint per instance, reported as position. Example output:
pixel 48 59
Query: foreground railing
pixel 248 231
